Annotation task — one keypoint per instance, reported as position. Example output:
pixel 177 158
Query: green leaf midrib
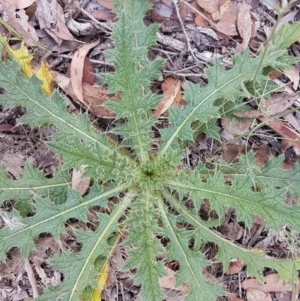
pixel 266 214
pixel 174 237
pixel 61 119
pixel 171 139
pixel 191 187
pixel 130 98
pixel 35 187
pixel 231 246
pixel 119 188
pixel 112 221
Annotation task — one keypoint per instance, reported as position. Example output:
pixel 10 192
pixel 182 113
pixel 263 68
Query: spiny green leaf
pixel 255 259
pixel 142 224
pixel 143 187
pixel 78 269
pixel 271 175
pixel 191 263
pixel 268 203
pixel 31 182
pixel 49 218
pixel 133 75
pixel 72 132
pixel 287 35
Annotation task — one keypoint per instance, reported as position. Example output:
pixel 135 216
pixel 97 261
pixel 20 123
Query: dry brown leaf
pixel 285 144
pixel 30 11
pixel 19 21
pixel 244 23
pixel 232 297
pixel 107 4
pixel 236 128
pixel 285 296
pixel 248 114
pixel 293 75
pixel 279 102
pixel 13 163
pixel 171 92
pixel 76 69
pixel 209 5
pixel 225 27
pixel 202 18
pixel 46 13
pixel 51 18
pixel 14 264
pixel 283 129
pixel 183 10
pixel 22 3
pixel 227 24
pixel 235 266
pixel 275 74
pixel 6 127
pixel 44 246
pixel 280 127
pixel 271 283
pixel 160 13
pixel 257 295
pixel 231 152
pixel 261 154
pixel 80 184
pixel 104 15
pixel 169 282
pixel 217 15
pixel 94 96
pixel 232 230
pixel 87 75
pixel 200 21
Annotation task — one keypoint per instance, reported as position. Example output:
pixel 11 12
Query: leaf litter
pixel 232 21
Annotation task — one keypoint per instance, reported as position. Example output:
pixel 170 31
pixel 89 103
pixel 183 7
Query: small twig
pixel 184 32
pixel 215 26
pixel 240 285
pixel 255 236
pixel 101 25
pixel 187 158
pixel 178 73
pixel 70 57
pixel 31 278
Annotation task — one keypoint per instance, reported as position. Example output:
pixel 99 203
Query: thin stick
pixel 184 32
pixel 31 278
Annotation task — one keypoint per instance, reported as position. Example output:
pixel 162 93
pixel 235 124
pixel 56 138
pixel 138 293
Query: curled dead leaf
pixel 283 129
pixel 76 71
pixel 279 102
pixel 209 5
pixel 236 127
pixel 79 183
pixel 235 266
pixel 231 152
pixel 244 23
pixel 169 282
pixel 172 96
pixel 107 4
pixel 94 96
pixel 228 22
pixel 271 283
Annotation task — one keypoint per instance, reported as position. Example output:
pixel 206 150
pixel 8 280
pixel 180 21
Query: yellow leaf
pixel 22 56
pixel 101 283
pixel 45 76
